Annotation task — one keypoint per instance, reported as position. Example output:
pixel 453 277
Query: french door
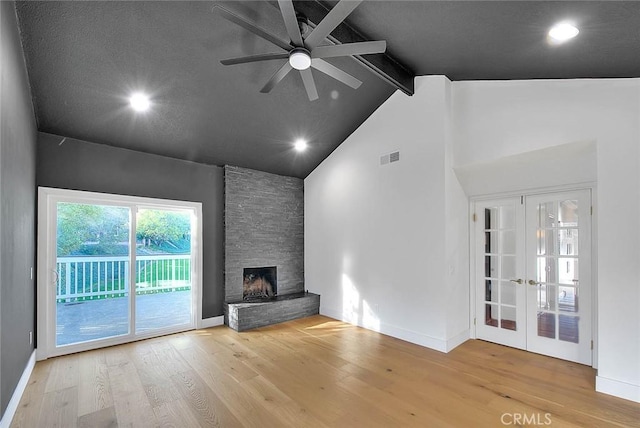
pixel 113 269
pixel 533 273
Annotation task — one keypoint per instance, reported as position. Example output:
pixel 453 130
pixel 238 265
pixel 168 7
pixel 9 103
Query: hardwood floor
pixel 314 372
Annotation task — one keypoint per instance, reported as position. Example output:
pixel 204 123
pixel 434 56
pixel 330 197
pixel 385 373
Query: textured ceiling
pixel 85 58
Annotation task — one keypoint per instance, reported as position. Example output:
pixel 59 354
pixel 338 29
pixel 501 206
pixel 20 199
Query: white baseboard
pixel 404 334
pixel 328 312
pixel 618 389
pixel 17 393
pixel 211 322
pixel 458 340
pixel 414 337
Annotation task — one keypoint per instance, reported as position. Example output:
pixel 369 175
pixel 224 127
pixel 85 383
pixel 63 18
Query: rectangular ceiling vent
pixel 390 158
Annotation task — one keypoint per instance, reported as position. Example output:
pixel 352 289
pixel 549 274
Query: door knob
pixel 517 281
pixel 532 282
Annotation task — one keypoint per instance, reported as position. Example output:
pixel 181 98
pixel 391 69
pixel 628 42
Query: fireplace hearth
pixel 243 316
pixel 259 284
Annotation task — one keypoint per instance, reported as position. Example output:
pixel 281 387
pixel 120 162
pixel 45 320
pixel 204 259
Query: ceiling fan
pixel 303 51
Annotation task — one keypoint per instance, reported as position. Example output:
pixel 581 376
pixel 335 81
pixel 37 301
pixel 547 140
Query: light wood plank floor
pixel 314 372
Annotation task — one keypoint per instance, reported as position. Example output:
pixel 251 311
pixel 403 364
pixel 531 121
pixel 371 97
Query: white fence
pixel 91 278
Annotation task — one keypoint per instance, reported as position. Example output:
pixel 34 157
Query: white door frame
pixel 46 250
pixel 592 186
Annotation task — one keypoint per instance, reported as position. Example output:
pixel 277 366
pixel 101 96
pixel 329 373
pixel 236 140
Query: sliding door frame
pixel 48 199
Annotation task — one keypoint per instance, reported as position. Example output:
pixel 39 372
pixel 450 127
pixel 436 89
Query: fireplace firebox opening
pixel 259 283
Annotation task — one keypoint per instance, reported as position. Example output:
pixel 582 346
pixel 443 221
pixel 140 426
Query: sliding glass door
pixel 114 269
pixel 91 272
pixel 163 269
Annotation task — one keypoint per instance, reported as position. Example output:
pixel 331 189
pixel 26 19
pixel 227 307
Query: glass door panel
pixel 92 272
pixel 558 325
pixel 163 270
pixel 553 270
pixel 500 274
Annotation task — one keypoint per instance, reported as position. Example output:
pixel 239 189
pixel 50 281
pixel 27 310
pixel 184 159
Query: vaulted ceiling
pixel 85 58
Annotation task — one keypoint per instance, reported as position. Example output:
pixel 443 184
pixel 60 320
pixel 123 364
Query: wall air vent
pixel 389 158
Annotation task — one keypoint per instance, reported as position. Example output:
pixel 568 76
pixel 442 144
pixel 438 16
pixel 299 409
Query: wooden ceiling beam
pixel 383 65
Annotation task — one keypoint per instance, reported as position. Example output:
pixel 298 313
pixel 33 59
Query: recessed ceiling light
pixel 300 145
pixel 139 102
pixel 563 31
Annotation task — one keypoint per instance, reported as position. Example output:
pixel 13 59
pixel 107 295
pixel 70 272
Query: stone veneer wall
pixel 264 226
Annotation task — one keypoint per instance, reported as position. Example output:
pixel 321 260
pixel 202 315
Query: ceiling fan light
pixel 300 59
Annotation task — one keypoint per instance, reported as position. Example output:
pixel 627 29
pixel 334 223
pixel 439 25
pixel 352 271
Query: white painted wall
pixel 569 165
pixel 495 120
pixel 386 247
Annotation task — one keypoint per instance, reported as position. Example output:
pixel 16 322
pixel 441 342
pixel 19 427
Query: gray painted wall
pixel 264 226
pixel 17 213
pixel 81 165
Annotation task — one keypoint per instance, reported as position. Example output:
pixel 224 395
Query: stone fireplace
pixel 263 229
pixel 264 249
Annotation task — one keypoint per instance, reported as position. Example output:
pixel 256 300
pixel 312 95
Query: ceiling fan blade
pixel 247 25
pixel 334 18
pixel 277 77
pixel 360 48
pixel 335 72
pixel 254 58
pixel 309 84
pixel 291 21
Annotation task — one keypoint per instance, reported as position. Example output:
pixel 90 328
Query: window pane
pixel 491 266
pixel 546 297
pixel 163 269
pixel 507 217
pixel 546 325
pixel 491 290
pixel 508 242
pixel 508 320
pixel 546 270
pixel 568 213
pixel 491 218
pixel 568 271
pixel 508 267
pixel 568 299
pixel 508 293
pixel 546 215
pixel 491 315
pixel 93 272
pixel 568 242
pixel 542 238
pixel 491 242
pixel 568 328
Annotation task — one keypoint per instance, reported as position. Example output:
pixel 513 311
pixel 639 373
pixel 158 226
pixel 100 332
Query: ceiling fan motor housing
pixel 303 24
